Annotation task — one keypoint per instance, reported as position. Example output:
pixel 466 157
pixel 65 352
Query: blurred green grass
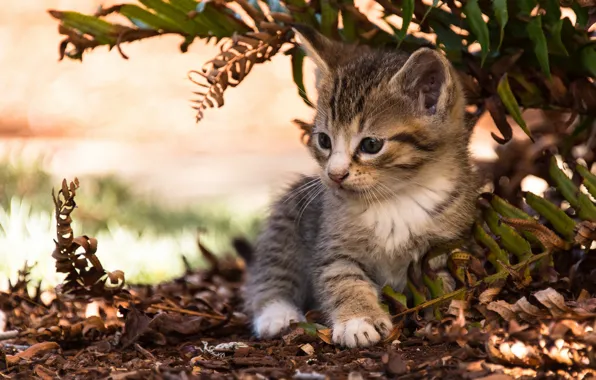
pixel 142 236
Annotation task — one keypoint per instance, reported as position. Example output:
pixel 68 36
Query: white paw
pixel 361 332
pixel 275 318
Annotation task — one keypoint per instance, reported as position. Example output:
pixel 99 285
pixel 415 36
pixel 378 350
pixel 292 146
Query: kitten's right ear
pixel 317 47
pixel 426 78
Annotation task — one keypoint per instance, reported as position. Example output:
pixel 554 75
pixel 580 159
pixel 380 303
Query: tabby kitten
pixel 395 180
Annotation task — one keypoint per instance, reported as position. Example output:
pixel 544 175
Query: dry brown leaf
pixel 496 109
pixel 496 376
pixel 489 294
pixel 314 316
pixel 290 337
pixel 308 349
pixel 44 373
pixel 553 301
pixel 585 233
pixel 136 324
pixel 583 295
pixel 394 363
pixel 528 312
pixel 325 335
pixel 521 309
pixel 458 307
pixel 504 309
pixel 33 351
pixel 559 329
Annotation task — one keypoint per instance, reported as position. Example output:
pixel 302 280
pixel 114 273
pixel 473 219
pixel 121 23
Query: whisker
pixel 308 193
pixel 319 192
pixel 373 193
pixel 385 190
pixel 301 189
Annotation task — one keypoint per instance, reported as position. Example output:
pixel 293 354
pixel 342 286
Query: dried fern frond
pixel 86 275
pixel 238 56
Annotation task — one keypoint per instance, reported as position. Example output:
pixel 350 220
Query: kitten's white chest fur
pixel 406 215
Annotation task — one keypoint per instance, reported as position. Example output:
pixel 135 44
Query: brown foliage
pixel 237 58
pixel 86 276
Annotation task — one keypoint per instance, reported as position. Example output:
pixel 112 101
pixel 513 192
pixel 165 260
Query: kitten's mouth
pixel 343 190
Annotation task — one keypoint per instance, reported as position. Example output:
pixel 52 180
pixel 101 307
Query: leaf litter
pixel 94 326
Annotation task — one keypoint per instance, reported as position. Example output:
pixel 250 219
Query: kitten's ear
pixel 317 47
pixel 426 78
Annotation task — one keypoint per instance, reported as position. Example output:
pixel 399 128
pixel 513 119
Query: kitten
pixel 396 179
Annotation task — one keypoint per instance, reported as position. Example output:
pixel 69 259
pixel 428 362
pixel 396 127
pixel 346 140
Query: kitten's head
pixel 384 119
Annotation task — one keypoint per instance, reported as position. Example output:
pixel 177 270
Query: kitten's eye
pixel 371 145
pixel 324 141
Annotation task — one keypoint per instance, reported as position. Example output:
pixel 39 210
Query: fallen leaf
pixel 504 309
pixel 33 351
pixel 496 376
pixel 44 373
pixel 394 363
pixel 325 335
pixel 314 316
pixel 553 301
pixel 458 307
pixel 166 323
pixel 489 295
pixel 93 323
pixel 308 349
pixel 583 295
pixel 527 311
pixel 137 324
pixel 290 337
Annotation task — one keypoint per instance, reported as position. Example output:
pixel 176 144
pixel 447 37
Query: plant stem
pixel 487 280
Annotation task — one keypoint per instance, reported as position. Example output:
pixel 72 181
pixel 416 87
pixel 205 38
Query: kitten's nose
pixel 338 177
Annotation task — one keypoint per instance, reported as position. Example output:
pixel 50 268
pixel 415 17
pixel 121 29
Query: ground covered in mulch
pixel 190 328
pixel 187 328
pixel 93 326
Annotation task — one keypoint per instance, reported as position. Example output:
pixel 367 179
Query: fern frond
pixel 238 56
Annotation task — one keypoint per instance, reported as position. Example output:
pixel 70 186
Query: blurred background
pixel 150 176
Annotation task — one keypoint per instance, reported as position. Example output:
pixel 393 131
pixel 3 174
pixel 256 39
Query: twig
pixel 144 352
pixel 188 312
pixel 487 280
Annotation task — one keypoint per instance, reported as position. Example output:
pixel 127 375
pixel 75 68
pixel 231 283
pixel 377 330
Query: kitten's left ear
pixel 323 51
pixel 426 78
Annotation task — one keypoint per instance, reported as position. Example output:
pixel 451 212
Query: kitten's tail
pixel 244 249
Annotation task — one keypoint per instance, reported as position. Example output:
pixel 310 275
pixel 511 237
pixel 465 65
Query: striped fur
pixel 332 246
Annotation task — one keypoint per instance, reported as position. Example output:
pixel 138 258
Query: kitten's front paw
pixel 361 331
pixel 275 318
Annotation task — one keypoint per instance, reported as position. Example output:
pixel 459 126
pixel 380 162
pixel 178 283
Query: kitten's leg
pixel 278 279
pixel 352 302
